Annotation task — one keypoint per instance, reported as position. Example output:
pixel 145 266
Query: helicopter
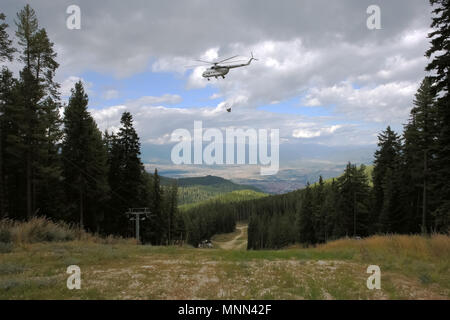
pixel 218 69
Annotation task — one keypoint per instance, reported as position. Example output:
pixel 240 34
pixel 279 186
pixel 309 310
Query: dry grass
pixel 41 229
pixel 422 258
pixel 38 271
pixel 429 248
pixel 412 267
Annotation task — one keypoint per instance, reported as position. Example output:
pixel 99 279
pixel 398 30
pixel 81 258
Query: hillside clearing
pixel 412 268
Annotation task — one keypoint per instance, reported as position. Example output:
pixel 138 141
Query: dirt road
pixel 233 241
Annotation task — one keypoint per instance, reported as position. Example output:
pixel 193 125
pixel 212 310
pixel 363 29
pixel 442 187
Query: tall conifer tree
pixel 439 53
pixel 85 162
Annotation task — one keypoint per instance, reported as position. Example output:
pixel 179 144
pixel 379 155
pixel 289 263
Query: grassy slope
pixel 233 196
pixel 412 267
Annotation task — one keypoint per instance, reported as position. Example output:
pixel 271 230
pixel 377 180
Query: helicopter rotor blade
pixel 196 66
pixel 227 59
pixel 208 62
pixel 235 61
pixel 205 63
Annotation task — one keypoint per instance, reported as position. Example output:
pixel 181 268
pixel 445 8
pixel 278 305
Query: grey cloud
pixel 121 36
pixel 305 48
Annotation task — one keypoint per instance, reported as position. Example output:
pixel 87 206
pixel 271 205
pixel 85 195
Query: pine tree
pixel 305 219
pixel 392 218
pixel 115 220
pixel 319 212
pixel 49 192
pixel 386 157
pixel 35 87
pixel 6 48
pixel 420 149
pixel 171 207
pixel 353 207
pixel 439 52
pixel 85 162
pixel 132 169
pixel 386 184
pixel 330 208
pixel 8 163
pixel 157 226
pixel 127 177
pixel 6 53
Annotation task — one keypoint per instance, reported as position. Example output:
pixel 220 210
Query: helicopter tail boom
pixel 243 64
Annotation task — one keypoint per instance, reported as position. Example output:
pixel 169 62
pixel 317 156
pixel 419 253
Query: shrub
pixel 5 247
pixel 11 268
pixel 41 229
pixel 5 231
pixel 36 230
pixel 8 284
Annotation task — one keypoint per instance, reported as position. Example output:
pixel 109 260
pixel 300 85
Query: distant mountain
pixel 197 189
pixel 287 180
pixel 211 181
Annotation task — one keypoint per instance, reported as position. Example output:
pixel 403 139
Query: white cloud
pixel 383 103
pixel 414 37
pixel 108 118
pixel 303 50
pixel 314 132
pixel 69 83
pixel 215 96
pixel 164 139
pixel 156 123
pixel 386 72
pixel 152 100
pixel 110 94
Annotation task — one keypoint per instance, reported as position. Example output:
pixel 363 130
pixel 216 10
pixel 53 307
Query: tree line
pixel 63 167
pixel 59 164
pixel 411 175
pixel 316 214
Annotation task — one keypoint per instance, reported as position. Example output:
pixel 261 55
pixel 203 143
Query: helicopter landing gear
pixel 223 77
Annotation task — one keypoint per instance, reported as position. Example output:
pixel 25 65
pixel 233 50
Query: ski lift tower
pixel 137 215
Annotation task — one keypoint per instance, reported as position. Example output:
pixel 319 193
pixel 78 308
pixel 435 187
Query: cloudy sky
pixel 323 78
